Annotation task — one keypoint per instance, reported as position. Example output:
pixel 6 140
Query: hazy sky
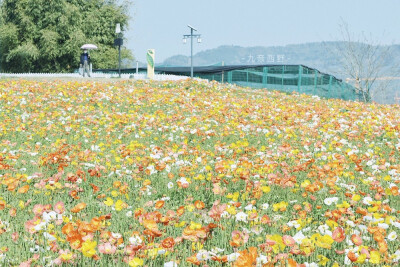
pixel 160 24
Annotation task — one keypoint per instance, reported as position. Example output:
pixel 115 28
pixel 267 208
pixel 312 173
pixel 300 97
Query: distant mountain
pixel 316 55
pixel 321 56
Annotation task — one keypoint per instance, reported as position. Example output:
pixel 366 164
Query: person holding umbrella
pixel 85 62
pixel 85 58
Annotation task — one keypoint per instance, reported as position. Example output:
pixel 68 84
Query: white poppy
pixel 241 216
pixel 392 236
pixel 367 201
pixel 233 256
pixel 331 200
pixel 170 264
pixel 203 255
pixel 298 237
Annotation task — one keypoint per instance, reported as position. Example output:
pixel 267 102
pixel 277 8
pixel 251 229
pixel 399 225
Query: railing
pixel 140 76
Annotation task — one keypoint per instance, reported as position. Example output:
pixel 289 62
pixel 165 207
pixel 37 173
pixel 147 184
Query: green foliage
pixel 107 57
pixel 46 36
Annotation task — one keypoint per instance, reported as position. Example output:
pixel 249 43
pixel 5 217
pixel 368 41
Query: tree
pixel 363 62
pixel 46 35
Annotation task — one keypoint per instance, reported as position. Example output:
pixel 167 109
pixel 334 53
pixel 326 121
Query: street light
pixel 191 35
pixel 118 41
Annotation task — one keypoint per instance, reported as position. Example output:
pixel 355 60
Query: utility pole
pixel 191 35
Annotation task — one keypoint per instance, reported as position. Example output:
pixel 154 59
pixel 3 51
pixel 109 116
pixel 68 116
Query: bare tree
pixel 363 62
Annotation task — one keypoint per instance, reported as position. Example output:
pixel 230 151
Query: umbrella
pixel 88 46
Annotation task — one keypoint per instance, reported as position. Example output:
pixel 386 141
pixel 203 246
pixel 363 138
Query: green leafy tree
pixel 46 35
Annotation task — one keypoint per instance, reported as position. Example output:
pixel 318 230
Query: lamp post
pixel 191 35
pixel 118 41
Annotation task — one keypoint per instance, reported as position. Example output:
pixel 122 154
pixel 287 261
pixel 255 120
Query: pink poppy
pixel 288 240
pixel 366 252
pixel 15 236
pixel 59 207
pixel 281 256
pixel 38 209
pixel 107 248
pixel 270 242
pixel 217 210
pixel 338 234
pixel 356 239
pixel 26 263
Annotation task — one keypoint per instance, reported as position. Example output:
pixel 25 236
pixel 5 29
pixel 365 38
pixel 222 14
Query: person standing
pixel 85 63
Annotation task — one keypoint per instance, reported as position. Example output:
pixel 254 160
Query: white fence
pixel 140 76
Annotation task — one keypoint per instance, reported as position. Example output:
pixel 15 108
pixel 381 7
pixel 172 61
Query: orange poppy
pixel 292 263
pixel 189 234
pixel 297 207
pixel 12 212
pixel 383 247
pixel 74 194
pixel 247 258
pixel 161 166
pixel 395 190
pixel 352 256
pixel 67 229
pixel 164 220
pixel 78 207
pixel 159 204
pixel 220 258
pixel 2 204
pixel 75 242
pixel 193 260
pixel 150 224
pixel 379 237
pixel 361 211
pixel 151 228
pixel 201 233
pixel 96 223
pixel 199 204
pixel 94 187
pixel 237 204
pixel 124 189
pixel 180 211
pixel 96 257
pixel 212 226
pixel 23 189
pixel 168 242
pixel 101 195
pixel 265 219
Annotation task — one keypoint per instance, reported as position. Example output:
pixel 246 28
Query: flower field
pixel 188 173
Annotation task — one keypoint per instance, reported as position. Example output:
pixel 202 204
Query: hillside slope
pixel 177 173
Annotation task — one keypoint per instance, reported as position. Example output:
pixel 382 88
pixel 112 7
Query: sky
pixel 161 24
